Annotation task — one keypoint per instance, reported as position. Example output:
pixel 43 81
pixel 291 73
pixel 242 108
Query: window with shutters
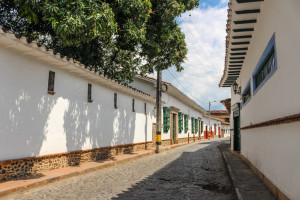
pixel 180 122
pixel 193 125
pixel 90 93
pixel 51 79
pixel 201 126
pixel 196 126
pixel 145 108
pixel 186 123
pixel 166 119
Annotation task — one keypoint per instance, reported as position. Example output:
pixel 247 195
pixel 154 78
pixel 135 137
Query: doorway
pixel 236 129
pixel 237 135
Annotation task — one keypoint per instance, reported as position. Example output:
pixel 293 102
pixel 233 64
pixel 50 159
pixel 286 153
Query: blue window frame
pixel 266 66
pixel 246 94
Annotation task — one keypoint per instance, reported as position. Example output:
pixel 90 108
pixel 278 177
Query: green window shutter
pixel 201 126
pixel 196 126
pixel 180 122
pixel 166 119
pixel 186 123
pixel 193 125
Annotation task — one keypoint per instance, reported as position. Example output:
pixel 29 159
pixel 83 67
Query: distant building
pixel 262 70
pixel 227 104
pixel 224 115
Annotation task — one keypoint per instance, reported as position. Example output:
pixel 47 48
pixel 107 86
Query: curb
pixel 88 170
pixel 236 189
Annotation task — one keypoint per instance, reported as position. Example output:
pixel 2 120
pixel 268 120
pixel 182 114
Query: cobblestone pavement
pixel 194 171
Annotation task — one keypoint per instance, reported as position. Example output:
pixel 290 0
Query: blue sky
pixel 213 3
pixel 204 28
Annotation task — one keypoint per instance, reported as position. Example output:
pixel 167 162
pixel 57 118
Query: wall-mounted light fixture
pixel 236 88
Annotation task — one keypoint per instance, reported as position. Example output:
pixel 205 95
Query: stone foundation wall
pixel 186 139
pixel 32 166
pixel 182 140
pixel 166 142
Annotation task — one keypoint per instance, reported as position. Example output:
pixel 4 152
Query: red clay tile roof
pixel 225 123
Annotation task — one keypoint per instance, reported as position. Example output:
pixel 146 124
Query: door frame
pixel 174 137
pixel 236 127
pixel 199 128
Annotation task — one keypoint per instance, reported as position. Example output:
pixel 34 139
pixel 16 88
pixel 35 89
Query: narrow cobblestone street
pixel 194 171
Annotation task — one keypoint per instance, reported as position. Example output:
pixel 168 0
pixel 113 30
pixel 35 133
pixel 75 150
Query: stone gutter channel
pixel 24 183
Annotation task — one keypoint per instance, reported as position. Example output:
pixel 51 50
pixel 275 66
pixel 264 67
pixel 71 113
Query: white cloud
pixel 205 37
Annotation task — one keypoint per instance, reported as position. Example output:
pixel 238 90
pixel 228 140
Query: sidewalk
pixel 62 173
pixel 246 183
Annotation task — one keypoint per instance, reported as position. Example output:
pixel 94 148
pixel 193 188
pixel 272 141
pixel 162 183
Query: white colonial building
pixel 262 69
pixel 56 112
pixel 183 118
pixel 55 109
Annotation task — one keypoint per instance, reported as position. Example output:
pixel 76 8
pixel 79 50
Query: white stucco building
pixel 182 112
pixel 56 112
pixel 262 59
pixel 52 108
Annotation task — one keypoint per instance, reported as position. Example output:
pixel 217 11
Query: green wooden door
pixel 237 134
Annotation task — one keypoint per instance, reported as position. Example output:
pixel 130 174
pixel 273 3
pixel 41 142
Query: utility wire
pixel 181 84
pixel 185 88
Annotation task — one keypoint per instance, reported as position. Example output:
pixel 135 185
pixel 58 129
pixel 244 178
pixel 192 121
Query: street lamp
pixel 236 88
pixel 209 103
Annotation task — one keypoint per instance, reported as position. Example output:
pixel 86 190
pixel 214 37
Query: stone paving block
pixel 247 184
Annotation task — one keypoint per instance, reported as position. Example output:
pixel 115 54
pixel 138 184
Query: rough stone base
pixel 32 166
pixel 188 139
pixel 166 142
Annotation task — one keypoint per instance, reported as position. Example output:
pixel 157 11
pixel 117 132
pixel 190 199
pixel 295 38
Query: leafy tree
pixel 113 37
pixel 165 45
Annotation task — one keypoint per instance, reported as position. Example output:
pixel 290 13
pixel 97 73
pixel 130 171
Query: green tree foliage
pixel 113 37
pixel 165 45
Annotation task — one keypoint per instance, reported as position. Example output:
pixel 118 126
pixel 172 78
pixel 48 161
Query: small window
pixel 115 100
pixel 246 95
pixel 90 93
pixel 266 66
pixel 133 109
pixel 51 79
pixel 145 108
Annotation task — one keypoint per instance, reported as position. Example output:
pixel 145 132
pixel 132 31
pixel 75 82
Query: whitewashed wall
pixel 274 150
pixel 145 86
pixel 34 123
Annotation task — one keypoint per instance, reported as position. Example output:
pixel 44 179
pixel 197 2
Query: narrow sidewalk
pixel 247 184
pixel 62 173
